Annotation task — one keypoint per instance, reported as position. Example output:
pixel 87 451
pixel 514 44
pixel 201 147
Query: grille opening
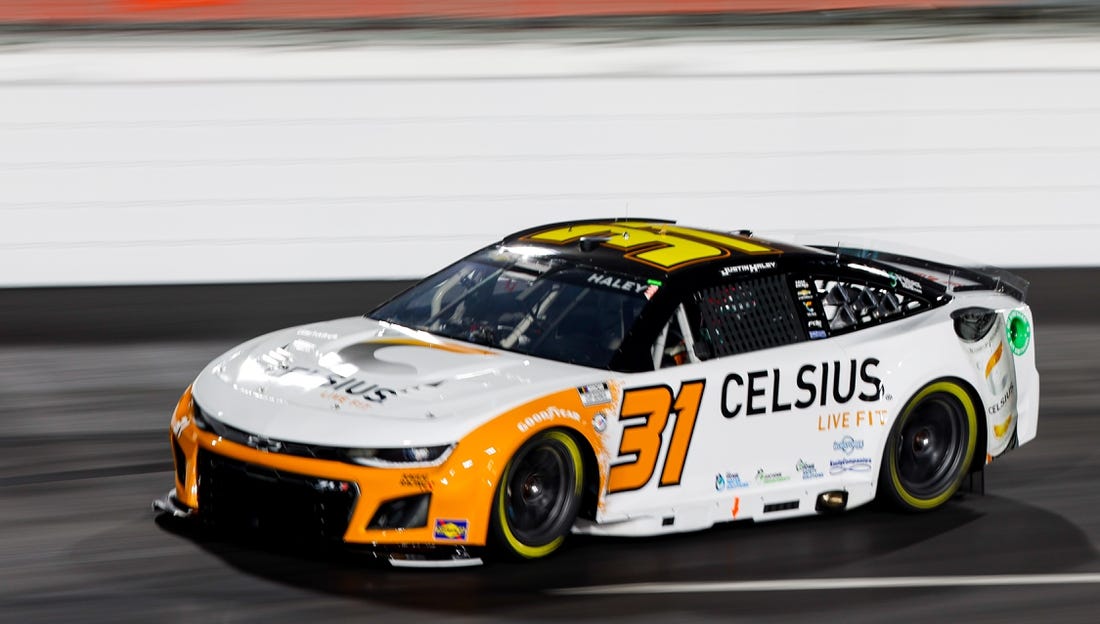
pixel 238 496
pixel 405 513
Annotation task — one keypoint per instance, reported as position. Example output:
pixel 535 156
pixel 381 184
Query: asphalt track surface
pixel 83 451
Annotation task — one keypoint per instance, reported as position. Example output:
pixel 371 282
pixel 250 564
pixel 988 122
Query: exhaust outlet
pixel 828 502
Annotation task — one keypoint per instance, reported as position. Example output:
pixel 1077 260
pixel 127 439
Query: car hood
pixel 359 383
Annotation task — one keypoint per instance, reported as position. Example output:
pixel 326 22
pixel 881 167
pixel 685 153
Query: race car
pixel 612 377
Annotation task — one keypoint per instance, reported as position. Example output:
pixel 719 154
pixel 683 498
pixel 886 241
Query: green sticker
pixel 1019 332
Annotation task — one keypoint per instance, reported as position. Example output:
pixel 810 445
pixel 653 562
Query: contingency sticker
pixel 594 394
pixel 453 530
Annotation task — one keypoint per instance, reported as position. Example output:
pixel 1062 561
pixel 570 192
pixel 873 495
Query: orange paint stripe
pixel 736 506
pixel 412 342
pixel 993 359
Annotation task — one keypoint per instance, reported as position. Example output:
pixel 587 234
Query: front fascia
pixel 461 488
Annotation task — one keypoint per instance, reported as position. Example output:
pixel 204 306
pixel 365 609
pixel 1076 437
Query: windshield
pixel 541 306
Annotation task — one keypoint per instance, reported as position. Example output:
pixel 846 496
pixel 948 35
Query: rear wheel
pixel 930 448
pixel 538 496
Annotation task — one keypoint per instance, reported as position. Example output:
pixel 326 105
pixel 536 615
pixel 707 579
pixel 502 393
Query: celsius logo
pixel 848 445
pixel 353 385
pixel 776 390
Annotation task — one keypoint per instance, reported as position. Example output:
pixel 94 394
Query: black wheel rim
pixel 931 446
pixel 539 489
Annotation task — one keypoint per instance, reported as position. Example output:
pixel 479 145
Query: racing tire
pixel 538 496
pixel 930 448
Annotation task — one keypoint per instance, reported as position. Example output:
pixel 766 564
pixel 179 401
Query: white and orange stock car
pixel 612 377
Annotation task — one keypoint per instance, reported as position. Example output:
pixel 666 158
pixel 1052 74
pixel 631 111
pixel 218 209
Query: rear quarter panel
pixel 781 424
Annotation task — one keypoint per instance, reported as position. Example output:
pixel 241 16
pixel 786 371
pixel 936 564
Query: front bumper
pixel 225 478
pixel 227 484
pixel 399 556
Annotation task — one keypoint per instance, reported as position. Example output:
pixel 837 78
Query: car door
pixel 732 406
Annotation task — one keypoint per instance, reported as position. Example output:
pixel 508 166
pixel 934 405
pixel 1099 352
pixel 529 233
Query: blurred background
pixel 178 175
pixel 152 142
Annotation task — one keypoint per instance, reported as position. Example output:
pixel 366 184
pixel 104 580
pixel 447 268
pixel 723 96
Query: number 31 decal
pixel 645 415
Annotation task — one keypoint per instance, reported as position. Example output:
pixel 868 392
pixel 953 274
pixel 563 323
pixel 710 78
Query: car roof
pixel 658 249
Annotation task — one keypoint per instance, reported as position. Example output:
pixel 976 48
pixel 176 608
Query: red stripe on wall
pixel 130 11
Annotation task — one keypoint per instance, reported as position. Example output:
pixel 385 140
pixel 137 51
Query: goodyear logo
pixel 453 530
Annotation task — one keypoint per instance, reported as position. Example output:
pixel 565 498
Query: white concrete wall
pixel 123 164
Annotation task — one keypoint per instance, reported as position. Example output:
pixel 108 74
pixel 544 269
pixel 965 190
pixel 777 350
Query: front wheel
pixel 930 448
pixel 538 496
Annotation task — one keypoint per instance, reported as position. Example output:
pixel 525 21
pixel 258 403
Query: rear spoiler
pixel 954 278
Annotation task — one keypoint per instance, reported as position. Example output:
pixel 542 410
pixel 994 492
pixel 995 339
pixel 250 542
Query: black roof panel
pixel 652 248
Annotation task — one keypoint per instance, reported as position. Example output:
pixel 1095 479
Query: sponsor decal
pixel 747 268
pixel 736 506
pixel 354 386
pixel 547 415
pixel 837 383
pixel 859 419
pixel 451 530
pixel 848 445
pixel 817 334
pixel 807 470
pixel 1001 430
pixel 618 283
pixel 848 464
pixel 599 422
pixel 1003 401
pixel 805 296
pixel 994 359
pixel 594 394
pixel 729 481
pixel 326 485
pixel 907 283
pixel 1019 332
pixel 418 481
pixel 770 477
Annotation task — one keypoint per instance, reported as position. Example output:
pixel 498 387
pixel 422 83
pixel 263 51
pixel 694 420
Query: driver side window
pixel 676 343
